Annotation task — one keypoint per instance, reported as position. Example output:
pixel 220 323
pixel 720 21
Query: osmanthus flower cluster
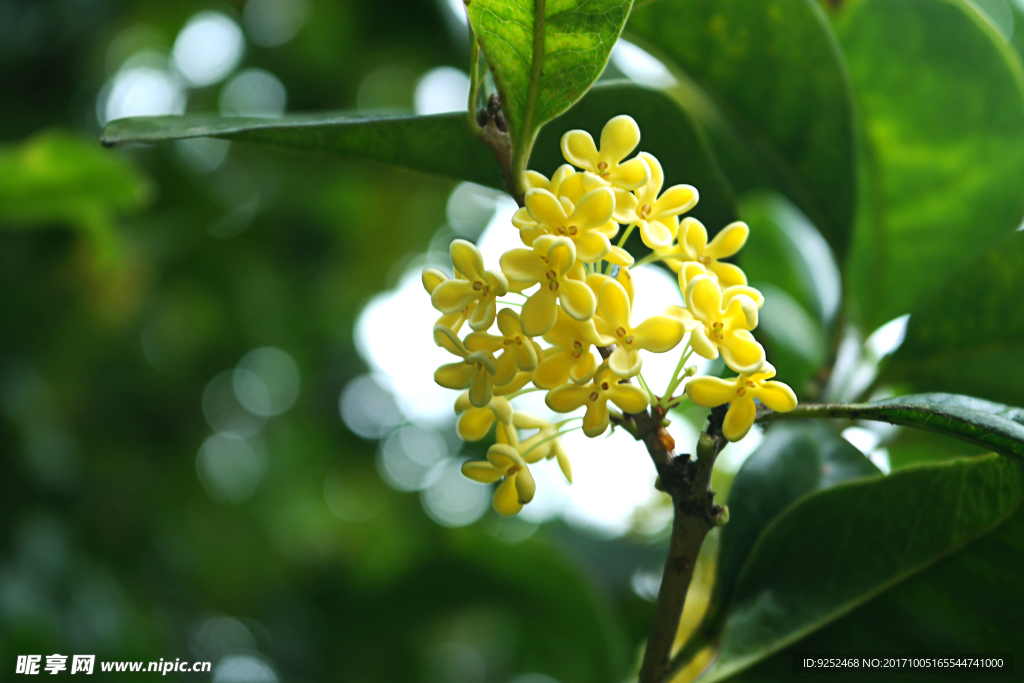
pixel 557 313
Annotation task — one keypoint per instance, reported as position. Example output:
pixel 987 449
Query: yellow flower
pixel 474 423
pixel 694 238
pixel 739 393
pixel 551 263
pixel 476 370
pixel 657 334
pixel 432 277
pixel 619 138
pixel 595 396
pixel 570 359
pixel 542 445
pixel 658 217
pixel 518 352
pixel 586 223
pixel 692 269
pixel 481 287
pixel 575 186
pixel 503 461
pixel 725 325
pixel 536 180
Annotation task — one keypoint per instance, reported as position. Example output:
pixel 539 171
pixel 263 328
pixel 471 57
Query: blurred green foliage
pixel 873 145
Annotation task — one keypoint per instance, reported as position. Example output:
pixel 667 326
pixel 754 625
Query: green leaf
pixel 768 80
pixel 441 144
pixel 787 259
pixel 58 177
pixel 942 99
pixel 970 601
pixel 841 548
pixel 793 461
pixel 544 55
pixel 668 132
pixel 989 425
pixel 969 335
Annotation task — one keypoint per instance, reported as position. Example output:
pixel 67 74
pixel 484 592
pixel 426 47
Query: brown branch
pixel 494 133
pixel 688 482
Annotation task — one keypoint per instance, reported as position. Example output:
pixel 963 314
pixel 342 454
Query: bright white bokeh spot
pixel 253 92
pixel 453 500
pixel 266 381
pixel 243 669
pixel 500 235
pixel 202 155
pixel 208 48
pixel 887 338
pixel 270 23
pixel 441 90
pixel 646 584
pixel 230 468
pixel 141 91
pixel 408 457
pixel 641 66
pixel 219 636
pixel 471 207
pixel 368 408
pixel 394 335
pixel 223 411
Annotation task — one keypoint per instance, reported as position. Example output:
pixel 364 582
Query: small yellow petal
pixel 741 352
pixel 711 392
pixel 568 397
pixel 506 498
pixel 729 241
pixel 629 398
pixel 432 277
pixel 776 396
pixel 659 333
pixel 482 471
pixel 579 149
pixel 739 418
pixel 596 419
pixel 619 138
pixel 630 175
pixel 526 487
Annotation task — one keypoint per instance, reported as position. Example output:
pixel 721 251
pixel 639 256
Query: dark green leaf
pixel 942 99
pixel 838 549
pixel 969 335
pixel 970 601
pixel 771 86
pixel 441 144
pixel 989 425
pixel 571 39
pixel 792 462
pixel 668 132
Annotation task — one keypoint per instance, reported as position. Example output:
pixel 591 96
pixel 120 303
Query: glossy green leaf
pixel 992 426
pixel 768 81
pixel 944 148
pixel 838 549
pixel 544 55
pixel 969 335
pixel 793 461
pixel 787 259
pixel 440 144
pixel 667 131
pixel 970 601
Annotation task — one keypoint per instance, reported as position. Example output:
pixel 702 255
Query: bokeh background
pixel 218 435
